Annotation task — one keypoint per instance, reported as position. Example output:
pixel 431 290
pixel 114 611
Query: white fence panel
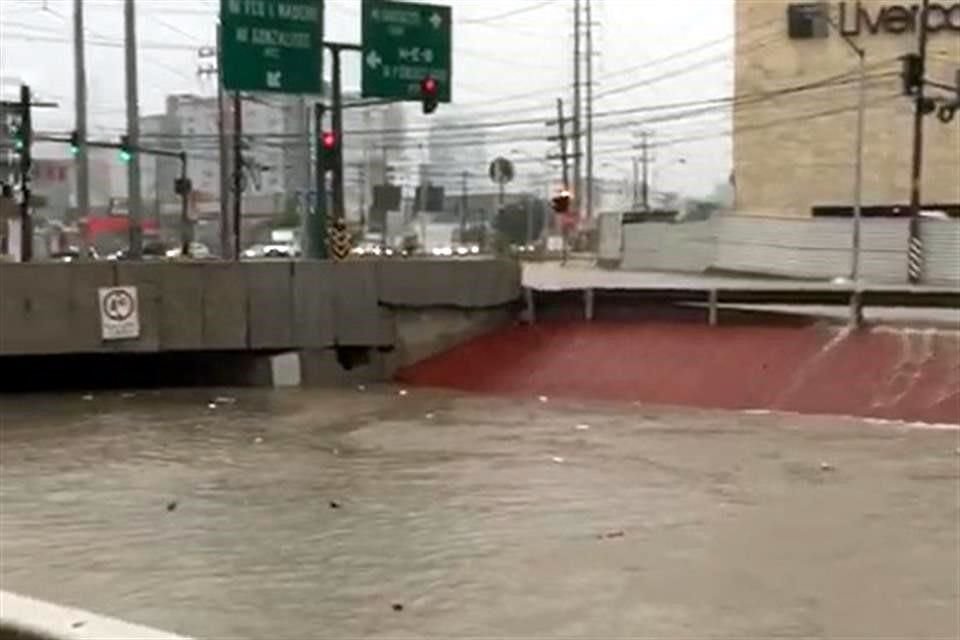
pixel 941 242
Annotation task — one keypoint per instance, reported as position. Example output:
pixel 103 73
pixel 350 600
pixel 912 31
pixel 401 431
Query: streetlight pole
pixel 858 142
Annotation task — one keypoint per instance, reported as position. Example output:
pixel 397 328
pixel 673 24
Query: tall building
pixel 795 118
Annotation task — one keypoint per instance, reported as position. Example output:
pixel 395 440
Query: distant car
pixel 151 251
pixel 271 251
pixel 73 253
pixel 197 250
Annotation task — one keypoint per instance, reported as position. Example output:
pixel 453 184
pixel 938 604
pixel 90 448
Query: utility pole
pixel 134 204
pixel 237 173
pixel 589 45
pixel 561 138
pixel 915 257
pixel 337 123
pixel 644 162
pixel 26 163
pixel 464 203
pixel 223 147
pixel 316 227
pixel 636 183
pixel 80 119
pixel 577 141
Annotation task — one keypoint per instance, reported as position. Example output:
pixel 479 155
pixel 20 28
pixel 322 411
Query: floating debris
pixel 429 415
pixel 402 392
pixel 826 466
pixel 211 405
pixel 87 396
pixel 361 387
pixel 257 440
pixel 78 624
pixel 618 533
pixel 582 427
pixel 335 451
pixel 334 504
pixel 127 395
pixel 543 398
pixel 558 459
pixel 225 400
pixel 172 505
pixel 396 606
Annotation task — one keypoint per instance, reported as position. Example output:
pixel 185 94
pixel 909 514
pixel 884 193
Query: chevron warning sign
pixel 339 239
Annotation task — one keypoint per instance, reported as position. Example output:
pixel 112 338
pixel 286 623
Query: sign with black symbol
pixel 119 313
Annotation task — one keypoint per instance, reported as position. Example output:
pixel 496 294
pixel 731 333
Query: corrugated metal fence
pixel 816 248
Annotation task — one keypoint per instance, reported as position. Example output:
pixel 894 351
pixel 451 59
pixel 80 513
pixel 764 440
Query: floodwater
pixel 482 516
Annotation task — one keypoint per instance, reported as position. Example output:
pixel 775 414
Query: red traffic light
pixel 329 140
pixel 428 93
pixel 561 202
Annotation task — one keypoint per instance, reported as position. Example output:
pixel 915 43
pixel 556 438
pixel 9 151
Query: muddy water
pixel 480 516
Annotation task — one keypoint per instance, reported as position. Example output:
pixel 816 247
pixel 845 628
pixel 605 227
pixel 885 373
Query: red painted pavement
pixel 903 374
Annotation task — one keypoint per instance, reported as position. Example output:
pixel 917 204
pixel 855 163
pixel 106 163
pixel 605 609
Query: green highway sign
pixel 404 42
pixel 272 45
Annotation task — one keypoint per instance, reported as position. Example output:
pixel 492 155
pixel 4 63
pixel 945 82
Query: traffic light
pixel 561 202
pixel 911 73
pixel 428 94
pixel 74 143
pixel 19 136
pixel 126 153
pixel 329 146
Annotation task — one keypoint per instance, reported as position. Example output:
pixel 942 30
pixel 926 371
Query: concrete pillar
pixel 713 312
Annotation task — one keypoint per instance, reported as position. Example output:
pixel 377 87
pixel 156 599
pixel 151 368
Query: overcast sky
pixel 505 68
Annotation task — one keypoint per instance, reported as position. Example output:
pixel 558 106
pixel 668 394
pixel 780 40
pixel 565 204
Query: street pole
pixel 589 52
pixel 316 231
pixel 26 163
pixel 224 153
pixel 858 171
pixel 134 204
pixel 185 235
pixel 636 183
pixel 646 173
pixel 577 144
pixel 915 256
pixel 237 173
pixel 80 117
pixel 464 204
pixel 337 123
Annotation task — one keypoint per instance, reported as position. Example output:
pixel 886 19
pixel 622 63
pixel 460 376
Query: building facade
pixel 796 106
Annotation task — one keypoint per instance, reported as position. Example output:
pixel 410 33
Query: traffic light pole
pixel 26 160
pixel 184 192
pixel 915 247
pixel 237 173
pixel 315 224
pixel 336 114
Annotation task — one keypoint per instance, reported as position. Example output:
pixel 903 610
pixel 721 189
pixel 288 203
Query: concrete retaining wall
pixel 52 308
pixel 817 249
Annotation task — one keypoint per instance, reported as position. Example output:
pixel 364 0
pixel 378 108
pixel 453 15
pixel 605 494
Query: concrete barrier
pixel 268 306
pixel 51 308
pixel 23 618
pixel 465 284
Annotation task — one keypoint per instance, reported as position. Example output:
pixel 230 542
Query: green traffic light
pixel 18 144
pixel 125 156
pixel 74 150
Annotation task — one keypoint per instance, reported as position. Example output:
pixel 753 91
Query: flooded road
pixel 481 516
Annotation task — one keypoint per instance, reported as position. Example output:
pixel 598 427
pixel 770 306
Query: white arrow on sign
pixel 436 20
pixel 373 60
pixel 274 79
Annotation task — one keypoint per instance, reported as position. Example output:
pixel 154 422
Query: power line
pixel 512 12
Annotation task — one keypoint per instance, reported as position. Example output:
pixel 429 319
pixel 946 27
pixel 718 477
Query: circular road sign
pixel 501 171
